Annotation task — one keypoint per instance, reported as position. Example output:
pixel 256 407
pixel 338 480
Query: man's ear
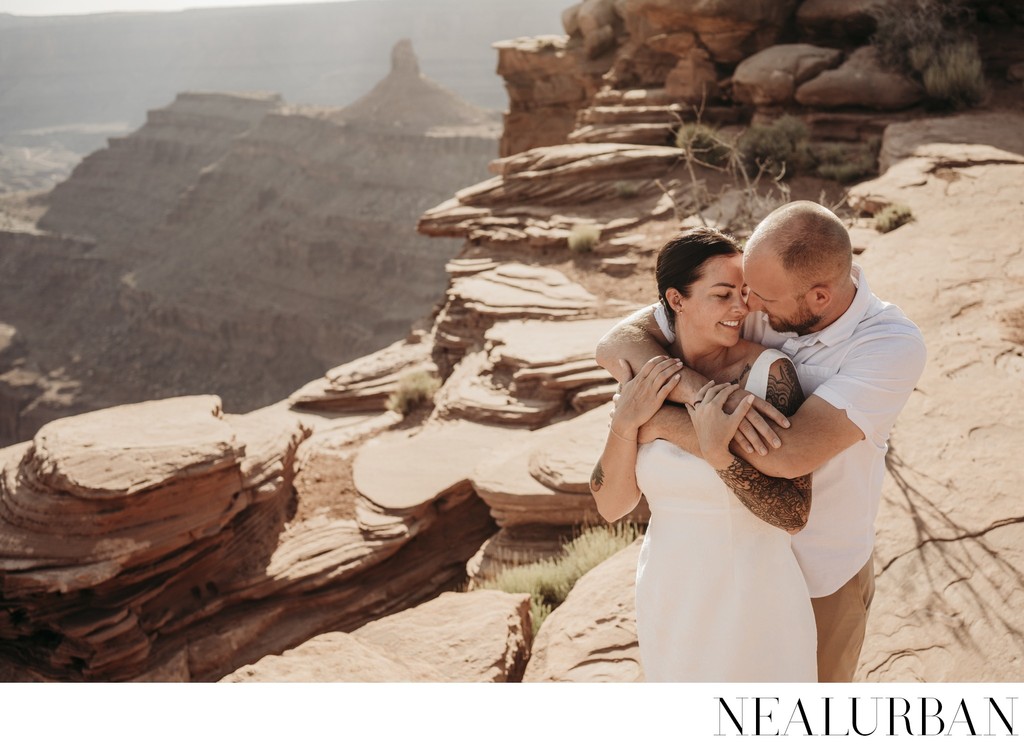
pixel 818 298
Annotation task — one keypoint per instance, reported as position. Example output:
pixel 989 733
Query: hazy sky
pixel 68 7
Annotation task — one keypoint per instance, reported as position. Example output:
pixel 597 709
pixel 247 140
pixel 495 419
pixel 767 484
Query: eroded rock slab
pixel 480 636
pixel 591 637
pixel 947 604
pixel 544 478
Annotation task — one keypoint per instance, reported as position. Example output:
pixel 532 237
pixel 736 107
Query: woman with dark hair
pixel 719 593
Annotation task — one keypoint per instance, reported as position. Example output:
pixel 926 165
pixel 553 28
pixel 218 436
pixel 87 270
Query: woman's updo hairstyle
pixel 681 261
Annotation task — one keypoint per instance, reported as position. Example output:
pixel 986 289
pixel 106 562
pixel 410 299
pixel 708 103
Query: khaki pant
pixel 841 619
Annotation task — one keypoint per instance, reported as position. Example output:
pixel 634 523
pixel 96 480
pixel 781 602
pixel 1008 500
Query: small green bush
pixel 549 581
pixel 924 42
pixel 703 143
pixel 892 217
pixel 779 146
pixel 626 189
pixel 584 237
pixel 846 162
pixel 413 389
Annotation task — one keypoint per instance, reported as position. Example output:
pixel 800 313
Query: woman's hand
pixel 643 395
pixel 715 428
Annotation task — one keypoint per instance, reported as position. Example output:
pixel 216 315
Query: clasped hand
pixel 644 394
pixel 714 427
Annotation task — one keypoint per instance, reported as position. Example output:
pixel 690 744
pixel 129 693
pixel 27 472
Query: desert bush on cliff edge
pixel 893 216
pixel 584 237
pixel 413 389
pixel 704 144
pixel 780 147
pixel 549 581
pixel 926 41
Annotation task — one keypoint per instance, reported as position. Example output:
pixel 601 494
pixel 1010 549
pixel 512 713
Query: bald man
pixel 858 357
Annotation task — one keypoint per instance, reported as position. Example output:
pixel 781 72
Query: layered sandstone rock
pixel 509 291
pixel 591 637
pixel 544 477
pixel 529 372
pixel 367 383
pixel 111 521
pixel 546 84
pixel 481 636
pixel 165 541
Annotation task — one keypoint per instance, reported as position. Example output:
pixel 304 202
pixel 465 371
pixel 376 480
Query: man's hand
pixel 757 430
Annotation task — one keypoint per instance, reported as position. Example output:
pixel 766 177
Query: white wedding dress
pixel 719 594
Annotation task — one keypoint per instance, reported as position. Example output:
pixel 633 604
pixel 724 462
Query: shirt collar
pixel 844 326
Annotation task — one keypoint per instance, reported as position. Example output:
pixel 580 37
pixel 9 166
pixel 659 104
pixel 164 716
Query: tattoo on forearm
pixel 784 503
pixel 784 392
pixel 746 368
pixel 597 478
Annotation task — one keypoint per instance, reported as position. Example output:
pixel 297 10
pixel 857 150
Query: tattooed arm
pixel 782 502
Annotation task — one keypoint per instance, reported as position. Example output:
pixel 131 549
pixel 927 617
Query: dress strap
pixel 757 380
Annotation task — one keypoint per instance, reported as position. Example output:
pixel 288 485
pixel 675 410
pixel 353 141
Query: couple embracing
pixel 756 402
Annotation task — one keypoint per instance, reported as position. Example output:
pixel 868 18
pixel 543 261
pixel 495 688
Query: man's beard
pixel 801 326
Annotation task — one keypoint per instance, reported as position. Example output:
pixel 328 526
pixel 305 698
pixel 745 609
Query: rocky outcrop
pixel 591 637
pixel 771 77
pixel 165 541
pixel 544 478
pixel 476 301
pixel 481 636
pixel 546 85
pixel 728 29
pixel 367 383
pixel 861 81
pixel 947 604
pixel 107 539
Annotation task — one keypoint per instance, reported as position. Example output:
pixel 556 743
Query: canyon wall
pixel 240 245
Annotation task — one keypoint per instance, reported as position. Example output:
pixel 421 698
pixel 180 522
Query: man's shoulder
pixel 886 320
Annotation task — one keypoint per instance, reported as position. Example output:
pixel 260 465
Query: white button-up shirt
pixel 866 363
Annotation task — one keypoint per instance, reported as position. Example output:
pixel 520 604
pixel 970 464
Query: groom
pixel 859 359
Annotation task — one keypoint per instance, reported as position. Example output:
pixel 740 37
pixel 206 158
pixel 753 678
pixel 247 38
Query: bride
pixel 719 594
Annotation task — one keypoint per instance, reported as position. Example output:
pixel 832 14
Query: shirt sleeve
pixel 661 317
pixel 875 381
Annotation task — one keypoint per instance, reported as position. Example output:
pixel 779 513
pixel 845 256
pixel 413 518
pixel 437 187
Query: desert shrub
pixel 781 146
pixel 584 237
pixel 845 162
pixel 626 189
pixel 549 581
pixel 954 77
pixel 892 217
pixel 925 42
pixel 413 389
pixel 704 144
